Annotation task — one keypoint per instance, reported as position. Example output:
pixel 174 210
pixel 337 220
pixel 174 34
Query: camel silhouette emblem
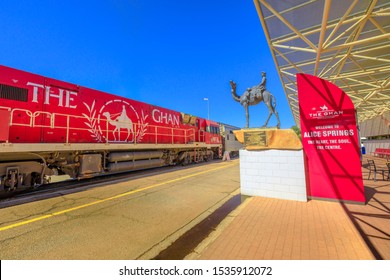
pixel 121 121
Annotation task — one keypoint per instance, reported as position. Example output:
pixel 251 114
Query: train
pixel 53 130
pixel 229 140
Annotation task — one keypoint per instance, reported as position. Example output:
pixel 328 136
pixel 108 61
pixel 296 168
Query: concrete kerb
pixel 218 231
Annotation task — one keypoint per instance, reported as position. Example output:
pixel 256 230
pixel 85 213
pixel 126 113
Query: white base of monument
pixel 273 173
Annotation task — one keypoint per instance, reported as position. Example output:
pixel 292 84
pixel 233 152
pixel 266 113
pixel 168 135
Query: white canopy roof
pixel 346 42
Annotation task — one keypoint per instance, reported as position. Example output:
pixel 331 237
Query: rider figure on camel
pixel 261 85
pixel 263 82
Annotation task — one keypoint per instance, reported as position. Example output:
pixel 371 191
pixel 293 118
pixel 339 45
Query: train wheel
pixel 186 160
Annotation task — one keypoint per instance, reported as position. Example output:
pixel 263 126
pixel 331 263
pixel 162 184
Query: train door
pixel 201 130
pixel 60 121
pixel 4 124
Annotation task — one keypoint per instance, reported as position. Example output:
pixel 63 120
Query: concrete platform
pixel 269 228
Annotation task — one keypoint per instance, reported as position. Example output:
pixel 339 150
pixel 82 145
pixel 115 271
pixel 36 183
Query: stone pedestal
pixel 273 173
pixel 271 165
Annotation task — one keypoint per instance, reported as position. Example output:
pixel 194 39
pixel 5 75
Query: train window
pixel 13 93
pixel 212 129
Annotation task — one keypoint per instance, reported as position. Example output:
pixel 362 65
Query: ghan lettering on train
pixel 64 97
pixel 165 118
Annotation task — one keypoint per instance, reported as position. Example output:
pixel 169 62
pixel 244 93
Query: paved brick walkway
pixel 266 228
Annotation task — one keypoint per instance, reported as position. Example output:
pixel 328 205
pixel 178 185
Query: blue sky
pixel 168 53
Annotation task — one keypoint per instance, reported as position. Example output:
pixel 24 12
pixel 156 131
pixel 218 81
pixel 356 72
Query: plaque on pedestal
pixel 267 138
pixel 255 138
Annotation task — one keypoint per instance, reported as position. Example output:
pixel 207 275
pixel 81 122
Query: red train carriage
pixel 51 128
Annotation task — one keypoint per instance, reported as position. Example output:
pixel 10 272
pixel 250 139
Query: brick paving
pixel 267 228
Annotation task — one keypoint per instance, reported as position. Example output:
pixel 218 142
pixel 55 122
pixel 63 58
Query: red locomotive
pixel 50 128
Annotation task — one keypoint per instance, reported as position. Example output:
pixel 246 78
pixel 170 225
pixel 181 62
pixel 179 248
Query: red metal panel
pixel 4 125
pixel 23 128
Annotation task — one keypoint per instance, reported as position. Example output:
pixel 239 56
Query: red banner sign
pixel 330 141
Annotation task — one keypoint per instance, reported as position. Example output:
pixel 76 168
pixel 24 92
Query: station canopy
pixel 346 42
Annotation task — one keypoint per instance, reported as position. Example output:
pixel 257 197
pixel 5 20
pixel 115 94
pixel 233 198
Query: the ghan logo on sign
pixel 324 113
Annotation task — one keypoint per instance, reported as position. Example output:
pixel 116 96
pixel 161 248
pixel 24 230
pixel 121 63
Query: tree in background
pixel 297 131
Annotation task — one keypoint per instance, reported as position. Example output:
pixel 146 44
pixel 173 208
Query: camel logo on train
pixel 116 121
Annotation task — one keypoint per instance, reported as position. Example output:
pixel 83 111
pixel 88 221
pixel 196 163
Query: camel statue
pixel 122 121
pixel 253 96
